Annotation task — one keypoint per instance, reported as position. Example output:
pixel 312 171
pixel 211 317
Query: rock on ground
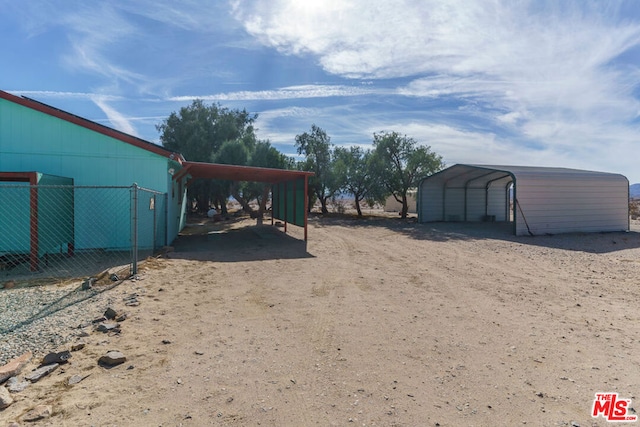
pixel 5 398
pixel 112 358
pixel 38 413
pixel 14 366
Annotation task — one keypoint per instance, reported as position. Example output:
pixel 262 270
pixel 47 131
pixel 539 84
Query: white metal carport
pixel 539 200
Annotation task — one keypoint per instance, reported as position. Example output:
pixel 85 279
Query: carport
pixel 288 187
pixel 537 200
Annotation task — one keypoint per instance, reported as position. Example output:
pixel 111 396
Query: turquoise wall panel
pixel 34 141
pixel 55 214
pixel 14 217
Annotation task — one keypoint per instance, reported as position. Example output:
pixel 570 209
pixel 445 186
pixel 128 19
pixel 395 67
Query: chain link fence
pixel 60 232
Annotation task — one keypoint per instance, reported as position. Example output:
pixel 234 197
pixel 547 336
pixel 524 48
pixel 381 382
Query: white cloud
pixel 368 38
pixel 117 119
pixel 190 15
pixel 291 92
pixel 545 72
pixel 268 123
pixel 93 33
pixel 459 145
pixel 118 41
pixel 48 94
pixel 455 145
pixel 525 81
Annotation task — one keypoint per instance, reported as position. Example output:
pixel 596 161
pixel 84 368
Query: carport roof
pixel 466 173
pixel 288 194
pixel 238 173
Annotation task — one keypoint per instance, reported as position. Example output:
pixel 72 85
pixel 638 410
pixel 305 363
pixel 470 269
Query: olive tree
pixel 354 174
pixel 317 148
pixel 400 163
pixel 198 132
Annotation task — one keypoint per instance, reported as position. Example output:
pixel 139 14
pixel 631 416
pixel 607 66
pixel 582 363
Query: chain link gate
pixel 50 233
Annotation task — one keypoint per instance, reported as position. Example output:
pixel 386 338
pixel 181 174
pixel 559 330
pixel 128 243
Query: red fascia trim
pixel 30 177
pixel 181 173
pixel 88 124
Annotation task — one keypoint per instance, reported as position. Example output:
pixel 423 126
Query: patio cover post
pixel 306 205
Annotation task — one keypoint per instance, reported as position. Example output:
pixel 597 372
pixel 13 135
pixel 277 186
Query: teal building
pixel 40 144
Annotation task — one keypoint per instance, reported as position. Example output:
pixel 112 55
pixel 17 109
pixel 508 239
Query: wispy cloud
pixel 48 94
pixel 540 81
pixel 191 15
pixel 117 119
pixel 363 38
pixel 541 73
pixel 291 92
pixel 131 46
pixel 93 34
pixel 269 123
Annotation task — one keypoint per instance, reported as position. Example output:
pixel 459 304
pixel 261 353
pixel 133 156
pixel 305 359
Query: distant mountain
pixel 634 191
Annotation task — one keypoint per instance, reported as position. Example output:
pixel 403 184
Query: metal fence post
pixel 166 219
pixel 155 223
pixel 134 231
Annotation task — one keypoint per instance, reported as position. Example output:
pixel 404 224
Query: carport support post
pixel 285 205
pixel 306 205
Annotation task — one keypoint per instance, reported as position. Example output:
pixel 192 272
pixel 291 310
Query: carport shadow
pixel 438 232
pixel 252 243
pixel 597 242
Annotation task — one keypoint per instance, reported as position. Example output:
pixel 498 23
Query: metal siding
pixel 16 220
pixel 430 200
pixel 475 204
pixel 55 214
pixel 454 204
pixel 549 200
pixel 31 140
pixel 554 205
pixel 497 200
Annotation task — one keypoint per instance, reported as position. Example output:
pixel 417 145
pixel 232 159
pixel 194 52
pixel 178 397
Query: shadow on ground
pixel 468 231
pixel 226 244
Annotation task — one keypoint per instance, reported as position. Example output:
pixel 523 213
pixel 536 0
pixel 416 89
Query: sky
pixel 538 83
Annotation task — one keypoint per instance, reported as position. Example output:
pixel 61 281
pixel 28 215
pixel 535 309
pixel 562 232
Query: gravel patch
pixel 42 318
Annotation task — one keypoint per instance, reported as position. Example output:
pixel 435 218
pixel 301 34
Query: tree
pixel 266 156
pixel 258 154
pixel 354 173
pixel 400 163
pixel 198 132
pixel 316 147
pixel 233 153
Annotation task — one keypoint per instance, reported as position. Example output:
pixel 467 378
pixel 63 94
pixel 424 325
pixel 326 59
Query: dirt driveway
pixel 372 323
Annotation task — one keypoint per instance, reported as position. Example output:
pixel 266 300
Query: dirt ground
pixel 375 322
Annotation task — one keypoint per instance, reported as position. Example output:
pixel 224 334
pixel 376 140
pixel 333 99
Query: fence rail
pixel 64 232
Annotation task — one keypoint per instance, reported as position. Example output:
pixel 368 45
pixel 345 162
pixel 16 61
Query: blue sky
pixel 545 83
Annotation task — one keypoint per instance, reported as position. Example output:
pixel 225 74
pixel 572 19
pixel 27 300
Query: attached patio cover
pixel 288 187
